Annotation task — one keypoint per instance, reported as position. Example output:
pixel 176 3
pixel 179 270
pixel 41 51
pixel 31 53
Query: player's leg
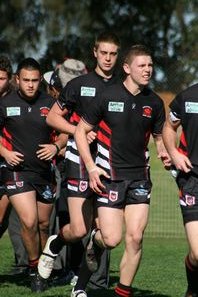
pixel 136 217
pixel 191 261
pixel 26 208
pixel 188 185
pixel 44 213
pixel 5 208
pixel 80 211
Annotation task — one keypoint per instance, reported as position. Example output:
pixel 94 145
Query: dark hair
pixel 30 64
pixel 136 50
pixel 5 65
pixel 107 37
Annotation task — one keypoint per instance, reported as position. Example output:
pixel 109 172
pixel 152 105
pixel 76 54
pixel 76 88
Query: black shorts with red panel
pixel 118 194
pixel 18 182
pixel 188 195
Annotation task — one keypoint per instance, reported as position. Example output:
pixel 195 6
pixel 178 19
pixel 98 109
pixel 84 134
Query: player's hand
pixel 94 179
pixel 91 136
pixel 46 151
pixel 13 158
pixel 166 159
pixel 182 162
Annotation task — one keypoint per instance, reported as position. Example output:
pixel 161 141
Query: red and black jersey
pixel 185 108
pixel 76 97
pixel 23 127
pixel 125 124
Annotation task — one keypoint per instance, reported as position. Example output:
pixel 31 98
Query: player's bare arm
pixel 55 119
pixel 180 161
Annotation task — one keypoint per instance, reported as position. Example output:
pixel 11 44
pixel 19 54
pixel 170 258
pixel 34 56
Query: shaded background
pixel 50 30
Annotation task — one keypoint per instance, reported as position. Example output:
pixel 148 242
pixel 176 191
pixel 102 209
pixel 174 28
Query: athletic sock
pixel 58 243
pixel 192 275
pixel 123 291
pixel 33 264
pixel 83 275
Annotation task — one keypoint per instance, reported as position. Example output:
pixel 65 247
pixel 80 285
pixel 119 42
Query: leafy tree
pixel 52 30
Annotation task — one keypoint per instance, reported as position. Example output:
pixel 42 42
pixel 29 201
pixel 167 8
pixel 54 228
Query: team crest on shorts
pixel 113 196
pixel 190 200
pixel 19 184
pixel 83 186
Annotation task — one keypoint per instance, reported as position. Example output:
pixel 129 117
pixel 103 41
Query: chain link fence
pixel 165 217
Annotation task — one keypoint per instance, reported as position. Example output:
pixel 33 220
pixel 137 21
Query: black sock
pixel 192 275
pixel 124 291
pixel 57 244
pixel 83 275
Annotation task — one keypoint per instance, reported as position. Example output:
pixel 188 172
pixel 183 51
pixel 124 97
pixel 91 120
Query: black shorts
pixel 2 179
pixel 118 194
pixel 188 195
pixel 78 188
pixel 26 181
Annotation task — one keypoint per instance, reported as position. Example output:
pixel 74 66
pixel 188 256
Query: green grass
pixel 161 273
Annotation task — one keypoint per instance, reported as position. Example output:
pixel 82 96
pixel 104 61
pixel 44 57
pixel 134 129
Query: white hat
pixel 70 69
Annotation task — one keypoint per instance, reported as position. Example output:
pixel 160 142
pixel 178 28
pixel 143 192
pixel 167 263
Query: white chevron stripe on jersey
pixel 103 151
pixel 71 143
pixel 100 161
pixel 72 157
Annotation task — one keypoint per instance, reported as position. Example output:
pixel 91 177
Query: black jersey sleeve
pixel 68 96
pixel 159 118
pixel 176 106
pixel 2 114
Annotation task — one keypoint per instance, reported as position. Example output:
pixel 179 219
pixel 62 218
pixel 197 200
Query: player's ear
pixel 126 68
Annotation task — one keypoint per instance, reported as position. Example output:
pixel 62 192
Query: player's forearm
pixel 169 136
pixel 83 148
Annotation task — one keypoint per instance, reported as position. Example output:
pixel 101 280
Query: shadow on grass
pixel 19 280
pixel 23 280
pixel 137 293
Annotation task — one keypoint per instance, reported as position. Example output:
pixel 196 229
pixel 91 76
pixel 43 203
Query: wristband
pixel 57 148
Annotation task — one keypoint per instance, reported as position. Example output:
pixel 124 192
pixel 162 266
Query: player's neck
pixel 133 88
pixel 105 74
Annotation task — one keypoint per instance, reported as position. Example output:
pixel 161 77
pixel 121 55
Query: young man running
pixel 75 98
pixel 27 149
pixel 126 113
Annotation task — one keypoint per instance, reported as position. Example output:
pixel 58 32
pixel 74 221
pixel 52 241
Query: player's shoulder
pixel 12 97
pixel 190 91
pixel 152 94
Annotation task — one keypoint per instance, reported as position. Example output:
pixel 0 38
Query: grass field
pixel 161 272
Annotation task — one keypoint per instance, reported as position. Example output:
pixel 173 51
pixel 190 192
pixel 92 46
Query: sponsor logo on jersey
pixel 44 111
pixel 13 111
pixel 83 186
pixel 190 200
pixel 88 91
pixel 147 111
pixel 191 107
pixel 113 196
pixel 116 106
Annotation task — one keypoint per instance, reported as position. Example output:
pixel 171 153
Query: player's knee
pixel 78 232
pixel 134 239
pixel 111 241
pixel 29 226
pixel 194 257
